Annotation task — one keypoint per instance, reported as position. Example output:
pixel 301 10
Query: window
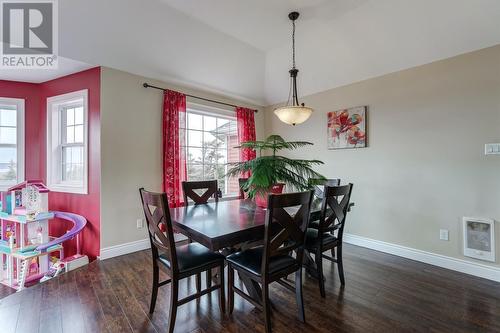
pixel 67 142
pixel 211 135
pixel 11 142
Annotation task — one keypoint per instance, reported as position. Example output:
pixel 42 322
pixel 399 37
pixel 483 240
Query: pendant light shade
pixel 293 112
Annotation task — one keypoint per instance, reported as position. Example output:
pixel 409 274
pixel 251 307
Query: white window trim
pixel 20 140
pixel 54 155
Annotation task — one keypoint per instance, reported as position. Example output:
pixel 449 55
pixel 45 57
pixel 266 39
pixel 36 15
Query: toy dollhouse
pixel 25 244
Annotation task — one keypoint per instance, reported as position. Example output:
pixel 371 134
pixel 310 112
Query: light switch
pixel 492 149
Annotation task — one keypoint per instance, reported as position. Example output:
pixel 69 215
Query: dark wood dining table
pixel 226 224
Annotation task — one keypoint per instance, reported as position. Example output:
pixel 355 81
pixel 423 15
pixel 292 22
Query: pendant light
pixel 293 113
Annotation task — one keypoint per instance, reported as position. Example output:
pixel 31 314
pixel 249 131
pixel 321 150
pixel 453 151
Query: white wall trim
pixel 130 247
pixel 54 142
pixel 459 265
pixel 126 248
pixel 19 104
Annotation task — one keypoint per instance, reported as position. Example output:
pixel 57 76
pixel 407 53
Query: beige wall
pixel 131 150
pixel 425 166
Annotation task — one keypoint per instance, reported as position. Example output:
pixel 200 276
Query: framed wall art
pixel 347 128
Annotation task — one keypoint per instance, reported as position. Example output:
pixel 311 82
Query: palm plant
pixel 269 170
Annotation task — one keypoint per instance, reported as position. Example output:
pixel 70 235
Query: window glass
pixel 210 142
pixel 72 144
pixel 8 165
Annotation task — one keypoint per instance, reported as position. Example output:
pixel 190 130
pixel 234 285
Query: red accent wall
pixel 87 205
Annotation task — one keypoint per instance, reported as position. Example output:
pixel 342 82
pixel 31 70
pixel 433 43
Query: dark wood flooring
pixel 383 293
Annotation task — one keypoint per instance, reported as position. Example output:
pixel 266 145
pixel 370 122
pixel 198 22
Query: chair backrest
pixel 317 184
pixel 285 230
pixel 189 188
pixel 156 211
pixel 334 209
pixel 241 184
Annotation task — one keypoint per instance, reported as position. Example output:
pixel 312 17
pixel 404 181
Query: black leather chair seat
pixel 314 224
pixel 312 240
pixel 193 255
pixel 251 260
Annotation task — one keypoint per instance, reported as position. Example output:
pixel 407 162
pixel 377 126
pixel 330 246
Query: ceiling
pixel 65 67
pixel 263 24
pixel 345 41
pixel 241 48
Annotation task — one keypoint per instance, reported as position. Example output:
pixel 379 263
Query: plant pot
pixel 261 200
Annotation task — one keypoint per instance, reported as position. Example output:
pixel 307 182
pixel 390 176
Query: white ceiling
pixel 241 48
pixel 152 39
pixel 262 23
pixel 345 41
pixel 65 67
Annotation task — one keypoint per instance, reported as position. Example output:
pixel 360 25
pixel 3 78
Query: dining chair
pixel 241 184
pixel 272 261
pixel 318 185
pixel 179 262
pixel 328 235
pixel 191 190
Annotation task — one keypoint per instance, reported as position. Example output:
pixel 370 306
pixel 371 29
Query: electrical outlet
pixel 443 234
pixel 140 223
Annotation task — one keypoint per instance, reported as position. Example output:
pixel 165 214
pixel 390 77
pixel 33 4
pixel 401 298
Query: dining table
pixel 230 224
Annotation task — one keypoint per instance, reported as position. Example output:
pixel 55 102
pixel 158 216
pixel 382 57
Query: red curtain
pixel 246 132
pixel 174 157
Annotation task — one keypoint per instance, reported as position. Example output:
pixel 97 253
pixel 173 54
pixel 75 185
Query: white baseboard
pixel 130 247
pixel 459 265
pixel 126 248
pixel 463 266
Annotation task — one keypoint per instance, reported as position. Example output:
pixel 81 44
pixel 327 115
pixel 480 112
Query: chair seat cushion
pixel 314 224
pixel 193 255
pixel 312 240
pixel 251 260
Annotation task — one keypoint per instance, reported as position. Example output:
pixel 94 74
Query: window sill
pixel 5 185
pixel 232 197
pixel 68 189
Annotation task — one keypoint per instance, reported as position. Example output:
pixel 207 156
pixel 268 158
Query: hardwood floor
pixel 383 293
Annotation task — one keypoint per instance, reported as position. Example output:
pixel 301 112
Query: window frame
pixel 55 141
pixel 210 111
pixel 19 103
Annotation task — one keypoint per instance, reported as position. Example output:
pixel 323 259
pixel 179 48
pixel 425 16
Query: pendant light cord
pixel 293 44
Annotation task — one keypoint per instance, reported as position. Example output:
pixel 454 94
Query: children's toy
pixel 54 270
pixel 25 243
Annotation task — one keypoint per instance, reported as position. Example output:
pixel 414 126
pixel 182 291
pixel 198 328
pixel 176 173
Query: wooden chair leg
pixel 222 296
pixel 298 295
pixel 341 265
pixel 174 294
pixel 319 265
pixel 198 284
pixel 209 278
pixel 266 306
pixel 154 292
pixel 230 291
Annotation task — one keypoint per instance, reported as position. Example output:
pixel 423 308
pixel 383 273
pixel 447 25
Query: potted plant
pixel 271 172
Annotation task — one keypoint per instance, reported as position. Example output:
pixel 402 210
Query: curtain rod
pixel 147 85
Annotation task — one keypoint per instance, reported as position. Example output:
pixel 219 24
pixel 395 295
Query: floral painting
pixel 347 128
